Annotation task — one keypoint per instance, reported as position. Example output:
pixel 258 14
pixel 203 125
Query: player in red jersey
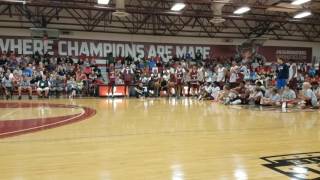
pixel 155 76
pixel 179 80
pixel 171 85
pixel 194 80
pixel 127 74
pixel 112 79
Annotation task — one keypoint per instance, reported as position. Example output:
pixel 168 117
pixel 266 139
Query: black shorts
pixel 293 84
pixel 112 83
pixel 10 89
pixel 233 85
pixel 195 86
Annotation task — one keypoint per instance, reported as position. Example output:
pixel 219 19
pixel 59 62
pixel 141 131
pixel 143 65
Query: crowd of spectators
pixel 227 80
pixel 47 76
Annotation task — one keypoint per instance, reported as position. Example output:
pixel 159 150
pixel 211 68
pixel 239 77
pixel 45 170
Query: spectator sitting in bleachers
pixel 79 86
pixel 7 85
pixel 71 88
pixel 43 87
pixel 57 84
pixel 24 85
pixel 28 71
pixel 17 77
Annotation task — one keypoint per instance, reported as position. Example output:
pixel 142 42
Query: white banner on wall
pixel 97 49
pixel 101 49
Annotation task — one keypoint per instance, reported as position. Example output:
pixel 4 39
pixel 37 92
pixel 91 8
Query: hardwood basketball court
pixel 158 139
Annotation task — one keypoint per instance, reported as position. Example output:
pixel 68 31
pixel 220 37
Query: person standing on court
pixel 127 74
pixel 282 74
pixel 293 75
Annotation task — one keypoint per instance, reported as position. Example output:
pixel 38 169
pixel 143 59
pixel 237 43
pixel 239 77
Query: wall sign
pixel 101 49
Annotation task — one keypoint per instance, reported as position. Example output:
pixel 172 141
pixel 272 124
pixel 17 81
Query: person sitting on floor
pixel 215 90
pixel 273 100
pixel 242 93
pixel 268 92
pixel 223 95
pixel 316 89
pixel 139 90
pixel 205 92
pixel 260 85
pixel 288 97
pixel 228 96
pixel 307 96
pixel 255 96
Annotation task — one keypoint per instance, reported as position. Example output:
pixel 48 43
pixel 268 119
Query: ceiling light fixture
pixel 242 10
pixel 103 2
pixel 178 7
pixel 17 1
pixel 302 14
pixel 299 2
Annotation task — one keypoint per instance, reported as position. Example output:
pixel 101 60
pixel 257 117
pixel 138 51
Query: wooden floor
pixel 157 139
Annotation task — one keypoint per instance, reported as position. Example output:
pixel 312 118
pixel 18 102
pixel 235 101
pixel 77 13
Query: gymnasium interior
pixel 159 89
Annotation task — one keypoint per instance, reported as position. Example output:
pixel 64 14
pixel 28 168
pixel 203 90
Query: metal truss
pixel 152 17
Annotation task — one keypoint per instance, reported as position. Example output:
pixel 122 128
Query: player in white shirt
pixel 221 77
pixel 233 75
pixel 179 76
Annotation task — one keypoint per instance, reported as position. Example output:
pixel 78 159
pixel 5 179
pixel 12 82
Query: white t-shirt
pixel 233 75
pixel 11 76
pixel 208 89
pixel 317 91
pixel 221 74
pixel 275 98
pixel 288 95
pixel 245 72
pixel 309 93
pixel 200 75
pixel 293 73
pixel 214 77
pixel 256 94
pixel 165 59
pixel 215 91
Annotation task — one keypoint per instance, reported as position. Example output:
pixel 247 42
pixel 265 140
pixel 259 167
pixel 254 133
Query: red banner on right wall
pixel 287 53
pixel 268 53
